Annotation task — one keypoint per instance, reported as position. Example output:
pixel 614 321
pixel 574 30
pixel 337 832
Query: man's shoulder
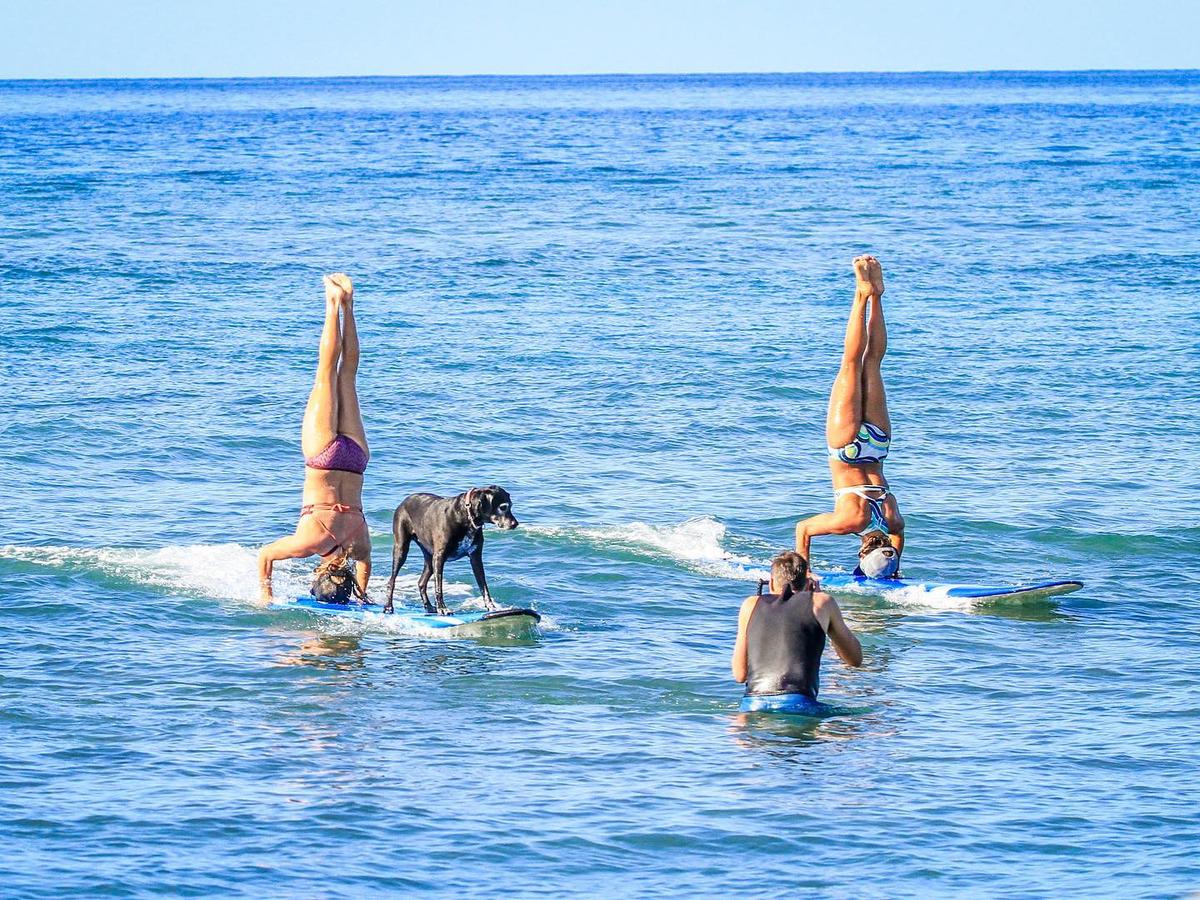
pixel 822 600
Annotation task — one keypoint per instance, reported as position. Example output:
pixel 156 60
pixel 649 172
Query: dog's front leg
pixel 477 568
pixel 439 563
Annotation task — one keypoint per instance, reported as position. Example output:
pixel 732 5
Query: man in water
pixel 781 636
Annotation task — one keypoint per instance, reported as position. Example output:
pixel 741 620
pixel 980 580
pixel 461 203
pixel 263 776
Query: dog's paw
pixel 389 609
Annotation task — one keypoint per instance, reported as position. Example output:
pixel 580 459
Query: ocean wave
pixel 227 572
pixel 914 597
pixel 697 544
pixel 701 545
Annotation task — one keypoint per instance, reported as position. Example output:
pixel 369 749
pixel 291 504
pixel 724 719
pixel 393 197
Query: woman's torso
pixel 329 486
pixel 847 475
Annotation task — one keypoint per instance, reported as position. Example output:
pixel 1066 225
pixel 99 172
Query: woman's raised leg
pixel 321 415
pixel 350 421
pixel 845 399
pixel 874 397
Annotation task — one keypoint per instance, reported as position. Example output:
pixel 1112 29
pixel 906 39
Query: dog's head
pixel 492 504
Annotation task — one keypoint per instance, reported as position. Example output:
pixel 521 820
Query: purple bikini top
pixel 342 454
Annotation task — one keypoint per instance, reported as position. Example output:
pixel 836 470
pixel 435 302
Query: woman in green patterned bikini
pixel 858 431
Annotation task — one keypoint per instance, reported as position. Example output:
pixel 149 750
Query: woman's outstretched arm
pixel 825 523
pixel 291 547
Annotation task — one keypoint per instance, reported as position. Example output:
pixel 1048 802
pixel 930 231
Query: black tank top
pixel 784 642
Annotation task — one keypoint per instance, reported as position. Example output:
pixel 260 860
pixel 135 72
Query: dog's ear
pixel 480 501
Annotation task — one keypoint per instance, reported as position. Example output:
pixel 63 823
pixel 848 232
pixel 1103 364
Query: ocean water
pixel 623 299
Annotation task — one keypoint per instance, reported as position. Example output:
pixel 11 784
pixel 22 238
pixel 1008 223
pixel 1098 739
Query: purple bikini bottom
pixel 342 454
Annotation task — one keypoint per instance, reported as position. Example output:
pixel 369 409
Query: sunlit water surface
pixel 623 300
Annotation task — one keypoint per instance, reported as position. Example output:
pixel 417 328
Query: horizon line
pixel 498 75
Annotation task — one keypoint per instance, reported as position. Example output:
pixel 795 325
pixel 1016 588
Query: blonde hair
pixel 333 580
pixel 873 540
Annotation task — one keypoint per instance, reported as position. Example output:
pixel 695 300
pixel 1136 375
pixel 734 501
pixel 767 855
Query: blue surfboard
pixel 837 582
pixel 511 617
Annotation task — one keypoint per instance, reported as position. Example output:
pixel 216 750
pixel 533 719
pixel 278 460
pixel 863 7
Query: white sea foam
pixel 699 544
pixel 696 544
pixel 217 571
pixel 912 596
pixel 229 573
pixel 224 571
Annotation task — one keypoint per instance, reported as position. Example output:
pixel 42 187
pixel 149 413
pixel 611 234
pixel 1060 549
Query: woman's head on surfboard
pixel 333 581
pixel 877 558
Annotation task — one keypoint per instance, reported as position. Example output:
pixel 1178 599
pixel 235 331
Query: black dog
pixel 447 528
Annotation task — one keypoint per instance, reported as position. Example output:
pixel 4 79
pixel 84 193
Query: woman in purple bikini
pixel 334 443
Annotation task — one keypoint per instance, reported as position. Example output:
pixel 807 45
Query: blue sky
pixel 149 38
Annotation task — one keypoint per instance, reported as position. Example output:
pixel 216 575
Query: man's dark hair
pixel 790 570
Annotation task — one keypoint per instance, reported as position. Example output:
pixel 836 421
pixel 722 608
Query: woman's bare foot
pixel 868 275
pixel 876 273
pixel 339 290
pixel 862 277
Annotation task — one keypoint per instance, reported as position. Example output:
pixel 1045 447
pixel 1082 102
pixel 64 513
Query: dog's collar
pixel 467 506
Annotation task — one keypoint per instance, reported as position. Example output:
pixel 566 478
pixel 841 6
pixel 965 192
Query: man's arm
pixel 738 663
pixel 840 635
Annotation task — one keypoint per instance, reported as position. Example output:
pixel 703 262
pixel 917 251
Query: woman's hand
pixel 266 565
